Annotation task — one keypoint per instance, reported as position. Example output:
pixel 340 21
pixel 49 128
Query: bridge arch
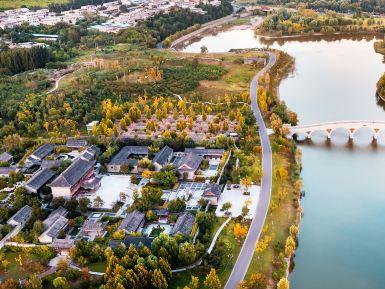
pixel 351 127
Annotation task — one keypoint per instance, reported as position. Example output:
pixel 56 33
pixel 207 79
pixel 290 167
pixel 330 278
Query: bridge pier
pixel 375 138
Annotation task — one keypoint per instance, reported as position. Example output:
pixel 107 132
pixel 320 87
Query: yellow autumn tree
pixel 240 231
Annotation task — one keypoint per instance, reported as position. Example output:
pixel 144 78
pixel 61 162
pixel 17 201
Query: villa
pixel 163 157
pixel 93 229
pixel 39 154
pixel 188 165
pixel 184 224
pixel 133 222
pixel 53 232
pixel 20 217
pixel 68 184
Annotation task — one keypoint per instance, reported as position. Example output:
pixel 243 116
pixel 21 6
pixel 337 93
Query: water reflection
pixel 341 240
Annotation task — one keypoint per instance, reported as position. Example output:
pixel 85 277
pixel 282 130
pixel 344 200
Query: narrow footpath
pixel 245 256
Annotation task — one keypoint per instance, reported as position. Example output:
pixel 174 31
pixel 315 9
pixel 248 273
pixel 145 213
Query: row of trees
pixel 309 21
pixel 163 25
pixel 376 6
pixel 22 59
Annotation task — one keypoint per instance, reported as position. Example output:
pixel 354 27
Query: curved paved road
pixel 247 251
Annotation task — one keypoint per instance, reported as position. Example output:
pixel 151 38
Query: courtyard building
pixel 68 183
pixel 128 156
pixel 184 224
pixel 133 222
pixel 20 217
pixel 163 157
pixel 188 166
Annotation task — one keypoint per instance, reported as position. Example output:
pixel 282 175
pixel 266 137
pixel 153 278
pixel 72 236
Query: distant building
pixel 90 126
pixel 53 216
pixel 128 156
pixel 39 180
pixel 212 193
pixel 184 224
pixel 39 154
pixel 20 217
pixel 188 165
pixel 5 171
pixel 68 183
pixel 76 143
pixel 162 158
pixel 63 246
pixel 6 158
pixel 132 222
pixel 51 233
pixel 206 153
pixel 91 153
pixel 93 229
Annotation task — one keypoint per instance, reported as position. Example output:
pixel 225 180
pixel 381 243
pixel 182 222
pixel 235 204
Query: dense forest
pixel 286 22
pixel 163 25
pixel 22 59
pixel 74 4
pixel 376 6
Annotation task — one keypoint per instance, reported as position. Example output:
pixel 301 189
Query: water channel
pixel 343 229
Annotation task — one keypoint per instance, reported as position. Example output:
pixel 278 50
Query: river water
pixel 343 229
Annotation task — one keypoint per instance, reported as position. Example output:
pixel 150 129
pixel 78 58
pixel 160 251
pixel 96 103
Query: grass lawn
pixel 179 280
pixel 278 220
pixel 98 266
pixel 9 4
pixel 29 266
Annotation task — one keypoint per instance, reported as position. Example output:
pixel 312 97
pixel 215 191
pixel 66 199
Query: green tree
pixel 33 282
pixel 61 283
pixel 187 253
pixel 158 280
pixel 167 176
pixel 83 204
pixel 226 207
pixel 212 281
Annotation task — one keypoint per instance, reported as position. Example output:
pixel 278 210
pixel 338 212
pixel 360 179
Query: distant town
pixel 117 14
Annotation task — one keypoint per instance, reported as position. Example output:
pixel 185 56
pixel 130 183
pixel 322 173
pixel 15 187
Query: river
pixel 341 243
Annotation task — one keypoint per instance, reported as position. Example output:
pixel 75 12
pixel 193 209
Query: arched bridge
pixel 328 127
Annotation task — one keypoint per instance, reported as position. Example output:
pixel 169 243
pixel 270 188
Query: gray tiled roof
pixel 205 152
pixel 22 215
pixel 91 153
pixel 163 156
pixel 54 215
pixel 184 224
pixel 132 221
pixel 191 160
pixel 5 157
pixel 76 143
pixel 39 179
pixel 122 157
pixel 42 151
pixel 7 170
pixel 73 173
pixel 213 190
pixel 59 224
